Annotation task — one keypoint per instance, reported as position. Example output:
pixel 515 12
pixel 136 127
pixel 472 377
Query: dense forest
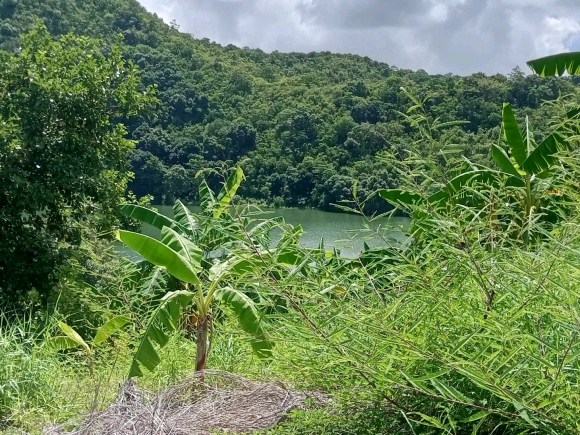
pixel 221 320
pixel 302 126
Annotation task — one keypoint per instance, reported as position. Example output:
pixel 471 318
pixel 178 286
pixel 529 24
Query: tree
pixel 183 251
pixel 527 177
pixel 62 158
pixel 283 106
pixel 367 111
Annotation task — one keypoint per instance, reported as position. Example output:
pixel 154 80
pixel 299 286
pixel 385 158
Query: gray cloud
pixel 440 36
pixel 360 14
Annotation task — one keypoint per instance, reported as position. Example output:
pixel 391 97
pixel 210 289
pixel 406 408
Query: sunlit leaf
pixel 206 198
pixel 164 320
pixel 62 343
pixel 502 161
pixel 249 319
pixel 161 255
pixel 228 192
pixel 513 135
pixel 74 336
pixel 110 328
pixel 398 197
pixel 184 217
pixel 183 246
pixel 148 216
pixel 543 157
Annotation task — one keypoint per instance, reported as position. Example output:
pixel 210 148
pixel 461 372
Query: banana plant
pixel 72 339
pixel 528 168
pixel 534 166
pixel 557 64
pixel 182 259
pixel 179 254
pixel 213 229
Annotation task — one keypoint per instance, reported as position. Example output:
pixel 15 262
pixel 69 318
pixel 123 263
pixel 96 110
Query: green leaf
pixel 165 318
pixel 161 255
pixel 236 266
pixel 455 185
pixel 228 191
pixel 430 421
pixel 62 343
pixel 184 217
pixel 542 158
pixel 557 64
pixel 249 319
pixel 290 256
pixel 74 336
pixel 147 216
pixel 502 161
pixel 183 246
pixel 432 375
pixel 110 328
pixel 449 391
pixel 291 237
pixel 477 416
pixel 513 135
pixel 206 198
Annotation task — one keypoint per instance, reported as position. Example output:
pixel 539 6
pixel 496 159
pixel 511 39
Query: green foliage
pixel 342 418
pixel 303 127
pixel 529 174
pixel 72 339
pixel 165 318
pixel 162 255
pixel 557 64
pixel 182 258
pixel 59 101
pixel 248 317
pixel 464 327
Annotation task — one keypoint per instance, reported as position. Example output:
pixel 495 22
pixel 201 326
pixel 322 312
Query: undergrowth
pixel 471 327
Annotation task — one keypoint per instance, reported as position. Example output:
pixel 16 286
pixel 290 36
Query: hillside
pixel 303 126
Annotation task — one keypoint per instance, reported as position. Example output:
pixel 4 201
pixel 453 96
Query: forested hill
pixel 303 126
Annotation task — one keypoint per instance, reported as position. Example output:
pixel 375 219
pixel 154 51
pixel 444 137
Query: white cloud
pixel 556 31
pixel 163 8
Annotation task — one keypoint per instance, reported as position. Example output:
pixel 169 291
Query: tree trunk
pixel 201 353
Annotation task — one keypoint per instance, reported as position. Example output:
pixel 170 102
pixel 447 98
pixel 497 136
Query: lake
pixel 344 231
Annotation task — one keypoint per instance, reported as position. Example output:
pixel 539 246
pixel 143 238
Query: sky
pixel 439 36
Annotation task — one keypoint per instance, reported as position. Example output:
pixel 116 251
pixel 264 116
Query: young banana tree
pixel 213 229
pixel 528 169
pixel 182 259
pixel 179 254
pixel 534 166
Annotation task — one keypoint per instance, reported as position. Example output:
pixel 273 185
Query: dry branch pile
pixel 222 402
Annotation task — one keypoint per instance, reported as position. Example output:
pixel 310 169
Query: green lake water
pixel 344 231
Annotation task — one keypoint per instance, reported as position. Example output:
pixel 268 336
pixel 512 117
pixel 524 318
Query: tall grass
pixel 468 328
pixel 470 331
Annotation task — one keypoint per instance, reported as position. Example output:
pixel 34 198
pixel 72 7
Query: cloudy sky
pixel 440 36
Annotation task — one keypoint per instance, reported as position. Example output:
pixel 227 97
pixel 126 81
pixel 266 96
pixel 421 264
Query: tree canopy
pixel 63 159
pixel 304 126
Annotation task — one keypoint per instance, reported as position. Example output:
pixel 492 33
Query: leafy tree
pixel 180 254
pixel 63 159
pixel 222 106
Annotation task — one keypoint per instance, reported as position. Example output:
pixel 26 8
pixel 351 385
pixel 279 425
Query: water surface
pixel 344 231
